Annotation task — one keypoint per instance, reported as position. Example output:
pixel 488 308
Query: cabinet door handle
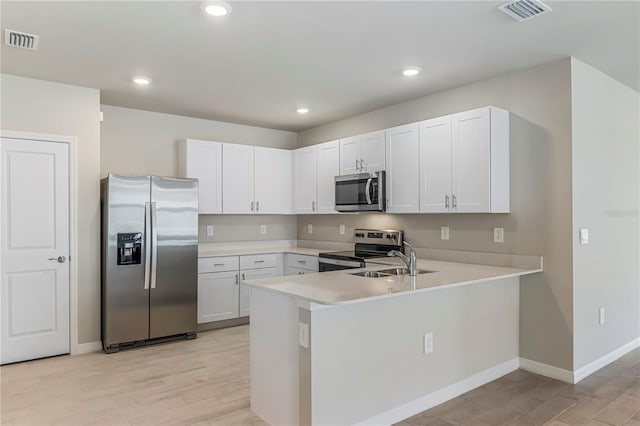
pixel 218 264
pixel 454 201
pixel 313 206
pixel 236 279
pixel 252 206
pixel 243 277
pixel 446 201
pixel 362 166
pixel 302 261
pixel 257 205
pixel 357 165
pixel 258 261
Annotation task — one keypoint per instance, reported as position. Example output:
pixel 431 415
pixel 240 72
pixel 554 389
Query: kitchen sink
pixel 403 271
pixel 389 273
pixel 371 274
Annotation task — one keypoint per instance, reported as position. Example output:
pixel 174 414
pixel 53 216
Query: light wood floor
pixel 206 382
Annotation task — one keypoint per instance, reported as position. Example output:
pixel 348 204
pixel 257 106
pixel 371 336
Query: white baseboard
pixel 84 348
pixel 596 365
pixel 546 370
pixel 438 397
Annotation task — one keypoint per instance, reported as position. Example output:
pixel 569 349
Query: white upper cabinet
pixel 464 162
pixel 328 160
pixel 403 191
pixel 305 180
pixel 349 156
pixel 202 160
pixel 273 175
pixel 315 169
pixel 362 153
pixel 256 180
pixel 237 179
pixel 372 152
pixel 435 165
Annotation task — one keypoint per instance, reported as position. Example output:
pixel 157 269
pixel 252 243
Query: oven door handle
pixel 367 190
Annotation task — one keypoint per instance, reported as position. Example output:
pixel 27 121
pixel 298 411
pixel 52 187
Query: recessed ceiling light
pixel 302 110
pixel 411 71
pixel 216 8
pixel 142 81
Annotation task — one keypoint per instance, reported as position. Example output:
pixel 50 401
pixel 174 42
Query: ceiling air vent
pixel 21 40
pixel 523 10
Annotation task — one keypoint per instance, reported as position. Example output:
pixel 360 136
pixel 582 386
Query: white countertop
pixel 212 250
pixel 340 287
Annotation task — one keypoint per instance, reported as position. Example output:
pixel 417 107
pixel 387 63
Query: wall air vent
pixel 21 40
pixel 523 10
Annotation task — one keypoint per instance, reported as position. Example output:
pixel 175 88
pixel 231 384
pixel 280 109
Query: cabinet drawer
pixel 259 261
pixel 217 264
pixel 302 261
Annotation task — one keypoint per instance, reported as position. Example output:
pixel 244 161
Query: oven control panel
pixel 373 236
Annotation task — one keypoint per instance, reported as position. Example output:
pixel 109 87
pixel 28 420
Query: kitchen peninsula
pixel 338 348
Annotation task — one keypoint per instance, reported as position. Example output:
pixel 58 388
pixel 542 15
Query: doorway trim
pixel 72 142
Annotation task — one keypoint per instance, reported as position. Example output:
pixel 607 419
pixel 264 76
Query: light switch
pixel 303 334
pixel 209 230
pixel 263 229
pixel 444 232
pixel 584 236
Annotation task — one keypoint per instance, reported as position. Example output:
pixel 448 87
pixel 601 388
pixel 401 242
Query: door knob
pixel 59 259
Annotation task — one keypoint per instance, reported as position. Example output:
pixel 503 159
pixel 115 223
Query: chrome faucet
pixel 410 261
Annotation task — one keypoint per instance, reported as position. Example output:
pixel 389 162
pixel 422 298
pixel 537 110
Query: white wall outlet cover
pixel 444 232
pixel 428 343
pixel 584 236
pixel 498 235
pixel 263 229
pixel 341 229
pixel 309 229
pixel 209 230
pixel 303 334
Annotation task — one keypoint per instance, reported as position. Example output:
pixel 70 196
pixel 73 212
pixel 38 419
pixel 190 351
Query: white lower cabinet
pixel 222 294
pixel 299 264
pixel 218 296
pixel 245 290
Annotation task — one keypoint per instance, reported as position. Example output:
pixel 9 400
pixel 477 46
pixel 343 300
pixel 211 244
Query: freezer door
pixel 125 294
pixel 174 274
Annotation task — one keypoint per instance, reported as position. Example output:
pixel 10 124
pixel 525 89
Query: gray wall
pixel 540 223
pixel 142 142
pixel 44 107
pixel 605 200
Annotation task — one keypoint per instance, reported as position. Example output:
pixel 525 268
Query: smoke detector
pixel 523 10
pixel 21 40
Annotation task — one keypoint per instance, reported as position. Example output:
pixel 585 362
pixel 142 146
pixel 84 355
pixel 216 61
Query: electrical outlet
pixel 584 236
pixel 601 316
pixel 303 334
pixel 309 228
pixel 209 230
pixel 263 229
pixel 498 235
pixel 428 343
pixel 444 232
pixel 341 229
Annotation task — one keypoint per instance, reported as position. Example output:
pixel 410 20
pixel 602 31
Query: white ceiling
pixel 265 59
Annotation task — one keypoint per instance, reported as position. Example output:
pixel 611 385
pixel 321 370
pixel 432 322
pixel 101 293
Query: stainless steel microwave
pixel 363 192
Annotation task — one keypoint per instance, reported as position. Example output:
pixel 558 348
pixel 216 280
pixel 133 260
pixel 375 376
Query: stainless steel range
pixel 369 244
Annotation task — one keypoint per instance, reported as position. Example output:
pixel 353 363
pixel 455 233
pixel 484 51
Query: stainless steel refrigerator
pixel 149 259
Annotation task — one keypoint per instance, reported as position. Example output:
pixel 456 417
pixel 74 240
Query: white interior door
pixel 35 249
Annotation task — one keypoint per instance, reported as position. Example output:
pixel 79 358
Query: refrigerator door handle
pixel 154 245
pixel 147 244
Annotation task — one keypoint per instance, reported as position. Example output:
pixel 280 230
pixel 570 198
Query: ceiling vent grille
pixel 523 10
pixel 21 40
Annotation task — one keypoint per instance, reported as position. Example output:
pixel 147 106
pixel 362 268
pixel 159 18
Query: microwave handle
pixel 367 190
